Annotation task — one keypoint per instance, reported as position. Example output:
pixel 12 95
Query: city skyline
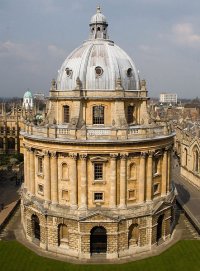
pixel 161 36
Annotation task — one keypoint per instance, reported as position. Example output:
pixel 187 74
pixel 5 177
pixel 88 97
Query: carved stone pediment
pixel 99 217
pixel 98 159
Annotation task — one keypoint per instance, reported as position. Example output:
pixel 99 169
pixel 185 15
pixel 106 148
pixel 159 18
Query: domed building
pixel 98 168
pixel 28 100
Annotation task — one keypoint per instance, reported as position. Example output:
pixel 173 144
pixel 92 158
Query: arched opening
pixel 186 154
pixel 98 240
pixel 133 235
pixel 36 226
pixel 98 114
pixel 130 114
pixel 196 161
pixel 63 234
pixel 159 233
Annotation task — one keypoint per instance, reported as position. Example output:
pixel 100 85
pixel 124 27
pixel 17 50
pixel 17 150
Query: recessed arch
pixel 36 226
pixel 98 240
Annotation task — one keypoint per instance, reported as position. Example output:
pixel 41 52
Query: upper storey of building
pixel 98 63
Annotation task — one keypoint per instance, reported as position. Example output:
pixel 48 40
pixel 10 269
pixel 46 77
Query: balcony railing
pixel 98 133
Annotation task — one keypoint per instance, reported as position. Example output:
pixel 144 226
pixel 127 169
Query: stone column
pixel 113 179
pixel 54 178
pixel 47 184
pixel 123 181
pixel 25 167
pixel 32 172
pixel 169 171
pixel 142 177
pixel 83 181
pixel 149 177
pixel 28 169
pixel 164 173
pixel 73 181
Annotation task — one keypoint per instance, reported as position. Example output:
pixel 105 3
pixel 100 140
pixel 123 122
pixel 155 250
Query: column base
pixel 122 206
pixel 74 207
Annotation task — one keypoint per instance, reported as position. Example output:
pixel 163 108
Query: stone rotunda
pixel 98 168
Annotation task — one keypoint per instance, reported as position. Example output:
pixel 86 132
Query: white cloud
pixel 17 50
pixel 56 52
pixel 184 34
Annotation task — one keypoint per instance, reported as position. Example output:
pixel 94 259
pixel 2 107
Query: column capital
pixel 151 154
pixel 73 155
pixel 123 156
pixel 168 148
pixel 113 155
pixel 45 152
pixel 83 156
pixel 143 154
pixel 53 154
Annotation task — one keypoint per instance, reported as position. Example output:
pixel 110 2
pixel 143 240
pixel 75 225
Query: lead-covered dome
pixel 98 63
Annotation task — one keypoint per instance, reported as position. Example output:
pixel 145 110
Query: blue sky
pixel 162 37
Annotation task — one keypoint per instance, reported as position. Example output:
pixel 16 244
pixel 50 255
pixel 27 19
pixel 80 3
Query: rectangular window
pixel 66 114
pixel 98 196
pixel 40 165
pixel 98 171
pixel 130 114
pixel 98 114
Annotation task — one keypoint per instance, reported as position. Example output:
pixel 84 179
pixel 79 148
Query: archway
pixel 98 240
pixel 159 227
pixel 36 227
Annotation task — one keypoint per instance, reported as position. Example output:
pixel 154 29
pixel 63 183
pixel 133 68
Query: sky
pixel 162 37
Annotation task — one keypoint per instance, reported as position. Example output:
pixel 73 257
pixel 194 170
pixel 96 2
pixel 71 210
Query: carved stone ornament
pixel 98 159
pixel 113 155
pixel 123 156
pixel 73 155
pixel 83 156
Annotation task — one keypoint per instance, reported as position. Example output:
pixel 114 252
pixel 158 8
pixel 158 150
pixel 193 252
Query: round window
pixel 129 72
pixel 99 71
pixel 68 72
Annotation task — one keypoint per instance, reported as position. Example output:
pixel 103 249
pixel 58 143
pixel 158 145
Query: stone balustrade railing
pixel 97 133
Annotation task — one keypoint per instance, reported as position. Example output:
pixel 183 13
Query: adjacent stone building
pixel 188 150
pixel 98 169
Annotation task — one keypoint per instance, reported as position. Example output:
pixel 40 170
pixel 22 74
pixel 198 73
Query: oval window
pixel 99 71
pixel 68 72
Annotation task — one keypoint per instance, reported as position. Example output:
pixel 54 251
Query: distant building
pixel 28 100
pixel 168 98
pixel 39 96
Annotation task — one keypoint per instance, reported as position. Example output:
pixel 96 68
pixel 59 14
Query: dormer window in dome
pixel 68 72
pixel 129 72
pixel 98 71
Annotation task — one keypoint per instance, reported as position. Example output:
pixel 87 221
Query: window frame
pixel 66 114
pixel 98 200
pixel 97 166
pixel 40 165
pixel 99 120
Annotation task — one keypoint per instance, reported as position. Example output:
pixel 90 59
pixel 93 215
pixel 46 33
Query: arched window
pixel 66 114
pixel 63 234
pixel 133 235
pixel 65 171
pixel 156 165
pixel 36 226
pixel 186 154
pixel 133 171
pixel 196 161
pixel 98 114
pixel 130 117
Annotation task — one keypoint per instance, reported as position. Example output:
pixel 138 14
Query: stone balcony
pixel 97 133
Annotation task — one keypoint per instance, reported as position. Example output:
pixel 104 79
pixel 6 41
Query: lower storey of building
pixel 96 233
